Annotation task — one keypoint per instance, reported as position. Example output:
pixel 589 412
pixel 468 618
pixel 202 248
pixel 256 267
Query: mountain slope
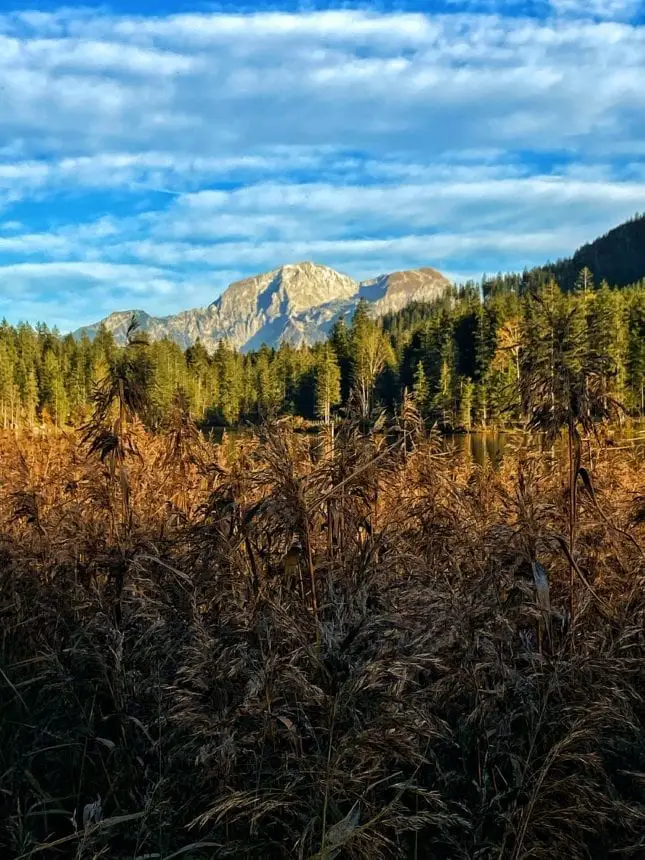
pixel 618 257
pixel 296 303
pixel 391 293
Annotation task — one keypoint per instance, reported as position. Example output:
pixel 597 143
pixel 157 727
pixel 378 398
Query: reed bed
pixel 363 651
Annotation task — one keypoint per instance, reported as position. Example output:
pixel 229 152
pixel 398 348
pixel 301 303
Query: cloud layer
pixel 148 160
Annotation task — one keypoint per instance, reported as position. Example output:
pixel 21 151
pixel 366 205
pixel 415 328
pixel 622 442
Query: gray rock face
pixel 296 303
pixel 391 293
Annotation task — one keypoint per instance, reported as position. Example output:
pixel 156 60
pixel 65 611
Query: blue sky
pixel 151 153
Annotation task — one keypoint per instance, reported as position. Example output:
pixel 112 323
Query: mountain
pixel 296 303
pixel 618 257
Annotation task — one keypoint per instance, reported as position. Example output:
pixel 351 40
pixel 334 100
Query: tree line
pixel 466 358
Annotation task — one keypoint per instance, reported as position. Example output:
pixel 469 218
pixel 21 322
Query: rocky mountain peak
pixel 392 292
pixel 297 302
pixel 290 289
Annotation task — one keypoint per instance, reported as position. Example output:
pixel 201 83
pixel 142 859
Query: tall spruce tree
pixel 327 382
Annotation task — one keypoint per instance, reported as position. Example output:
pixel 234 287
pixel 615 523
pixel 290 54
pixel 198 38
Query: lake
pixel 488 448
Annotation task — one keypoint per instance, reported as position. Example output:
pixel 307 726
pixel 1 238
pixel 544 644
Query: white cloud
pixel 65 293
pixel 231 82
pixel 201 237
pixel 94 271
pixel 344 26
pixel 612 10
pixel 303 212
pixel 167 171
pixel 174 150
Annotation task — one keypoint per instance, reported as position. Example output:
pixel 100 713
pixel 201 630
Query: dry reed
pixel 254 653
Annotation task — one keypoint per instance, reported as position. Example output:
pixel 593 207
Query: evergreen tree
pixel 327 382
pixel 584 282
pixel 466 403
pixel 30 397
pixel 607 340
pixel 420 389
pixel 266 384
pixel 563 385
pixel 444 401
pixel 168 363
pixel 53 401
pixel 78 395
pixel 339 339
pixel 8 389
pixel 230 383
pixel 203 391
pixel 635 358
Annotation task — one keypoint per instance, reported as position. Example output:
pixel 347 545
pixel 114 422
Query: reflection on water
pixel 489 448
pixel 486 448
pixel 479 448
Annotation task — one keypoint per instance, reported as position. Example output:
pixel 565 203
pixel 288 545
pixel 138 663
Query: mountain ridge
pixel 618 257
pixel 296 303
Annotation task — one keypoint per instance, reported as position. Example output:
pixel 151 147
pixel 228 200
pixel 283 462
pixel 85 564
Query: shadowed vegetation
pixel 350 646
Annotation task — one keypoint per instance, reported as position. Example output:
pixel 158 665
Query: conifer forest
pixel 465 358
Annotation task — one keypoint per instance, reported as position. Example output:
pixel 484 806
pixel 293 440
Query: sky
pixel 153 152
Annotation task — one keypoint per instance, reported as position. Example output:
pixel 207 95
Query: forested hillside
pixel 618 257
pixel 464 357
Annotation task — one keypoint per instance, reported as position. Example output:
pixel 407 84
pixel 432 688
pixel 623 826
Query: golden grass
pixel 248 652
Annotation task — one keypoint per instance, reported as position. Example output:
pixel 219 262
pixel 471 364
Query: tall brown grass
pixel 246 651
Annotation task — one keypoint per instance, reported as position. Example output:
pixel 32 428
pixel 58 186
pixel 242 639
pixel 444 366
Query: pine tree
pixel 339 338
pixel 230 378
pixel 635 358
pixel 266 384
pixel 420 389
pixel 584 282
pixel 201 393
pixel 503 377
pixel 444 399
pixel 607 340
pixel 327 382
pixel 482 364
pixel 562 383
pixel 466 403
pixel 286 372
pixel 7 386
pixel 170 373
pixel 54 403
pixel 78 395
pixel 30 397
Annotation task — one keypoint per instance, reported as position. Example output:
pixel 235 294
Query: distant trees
pixel 618 257
pixel 8 388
